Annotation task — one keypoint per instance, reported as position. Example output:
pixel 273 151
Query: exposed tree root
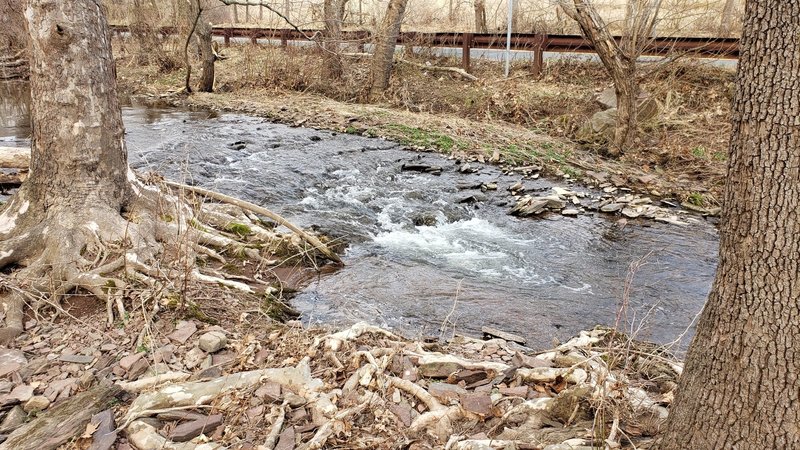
pixel 155 242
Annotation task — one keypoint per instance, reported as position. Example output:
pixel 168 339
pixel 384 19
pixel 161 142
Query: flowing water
pixel 418 255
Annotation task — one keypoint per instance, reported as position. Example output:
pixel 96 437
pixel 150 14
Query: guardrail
pixel 727 48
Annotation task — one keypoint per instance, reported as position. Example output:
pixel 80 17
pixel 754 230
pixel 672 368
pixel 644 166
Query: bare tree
pixel 726 19
pixel 332 37
pixel 208 56
pixel 385 43
pixel 740 388
pixel 480 16
pixel 145 28
pixel 80 197
pixel 619 58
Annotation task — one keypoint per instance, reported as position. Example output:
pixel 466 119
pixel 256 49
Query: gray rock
pixel 8 355
pixel 286 441
pixel 193 358
pixel 612 207
pixel 269 392
pixel 128 361
pixel 22 393
pixel 212 341
pixel 570 212
pixel 11 360
pixel 295 400
pixel 438 369
pixel 478 403
pixel 105 435
pixel 13 420
pixel 495 333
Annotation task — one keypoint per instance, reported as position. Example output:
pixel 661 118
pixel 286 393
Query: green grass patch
pixel 238 229
pixel 418 137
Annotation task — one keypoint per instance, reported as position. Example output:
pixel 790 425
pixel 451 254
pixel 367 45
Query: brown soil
pixel 524 120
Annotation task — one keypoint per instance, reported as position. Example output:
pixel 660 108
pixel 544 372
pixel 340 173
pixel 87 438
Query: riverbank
pixel 249 383
pixel 517 122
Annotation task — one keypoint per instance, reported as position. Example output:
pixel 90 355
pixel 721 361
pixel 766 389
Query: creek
pixel 429 250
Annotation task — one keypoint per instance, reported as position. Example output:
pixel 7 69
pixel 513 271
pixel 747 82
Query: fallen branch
pixel 198 393
pixel 15 158
pixel 456 70
pixel 151 382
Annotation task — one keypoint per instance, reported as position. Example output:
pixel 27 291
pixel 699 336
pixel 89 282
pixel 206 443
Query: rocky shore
pixel 197 385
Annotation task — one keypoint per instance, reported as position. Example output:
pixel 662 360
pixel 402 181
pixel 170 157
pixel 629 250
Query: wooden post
pixel 228 33
pixel 466 46
pixel 254 37
pixel 538 55
pixel 284 38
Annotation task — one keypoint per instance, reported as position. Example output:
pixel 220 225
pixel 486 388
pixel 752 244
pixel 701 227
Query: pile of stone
pixel 301 389
pixel 611 201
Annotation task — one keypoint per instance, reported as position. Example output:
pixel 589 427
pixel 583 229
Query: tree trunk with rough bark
pixel 204 43
pixel 385 43
pixel 332 37
pixel 80 200
pixel 740 387
pixel 480 16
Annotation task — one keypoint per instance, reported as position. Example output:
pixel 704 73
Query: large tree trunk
pixel 740 387
pixel 480 16
pixel 204 44
pixel 386 40
pixel 78 160
pixel 332 37
pixel 80 199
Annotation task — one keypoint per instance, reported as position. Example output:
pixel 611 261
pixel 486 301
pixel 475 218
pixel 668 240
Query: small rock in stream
pixel 424 168
pixel 489 333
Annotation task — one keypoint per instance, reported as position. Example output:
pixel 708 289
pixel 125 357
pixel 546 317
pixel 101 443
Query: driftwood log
pixel 15 158
pixel 63 422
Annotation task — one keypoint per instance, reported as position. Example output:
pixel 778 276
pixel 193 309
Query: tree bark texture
pixel 386 41
pixel 480 16
pixel 740 388
pixel 12 26
pixel 78 153
pixel 332 38
pixel 207 56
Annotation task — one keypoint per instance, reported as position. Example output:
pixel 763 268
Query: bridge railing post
pixel 284 37
pixel 538 54
pixel 466 47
